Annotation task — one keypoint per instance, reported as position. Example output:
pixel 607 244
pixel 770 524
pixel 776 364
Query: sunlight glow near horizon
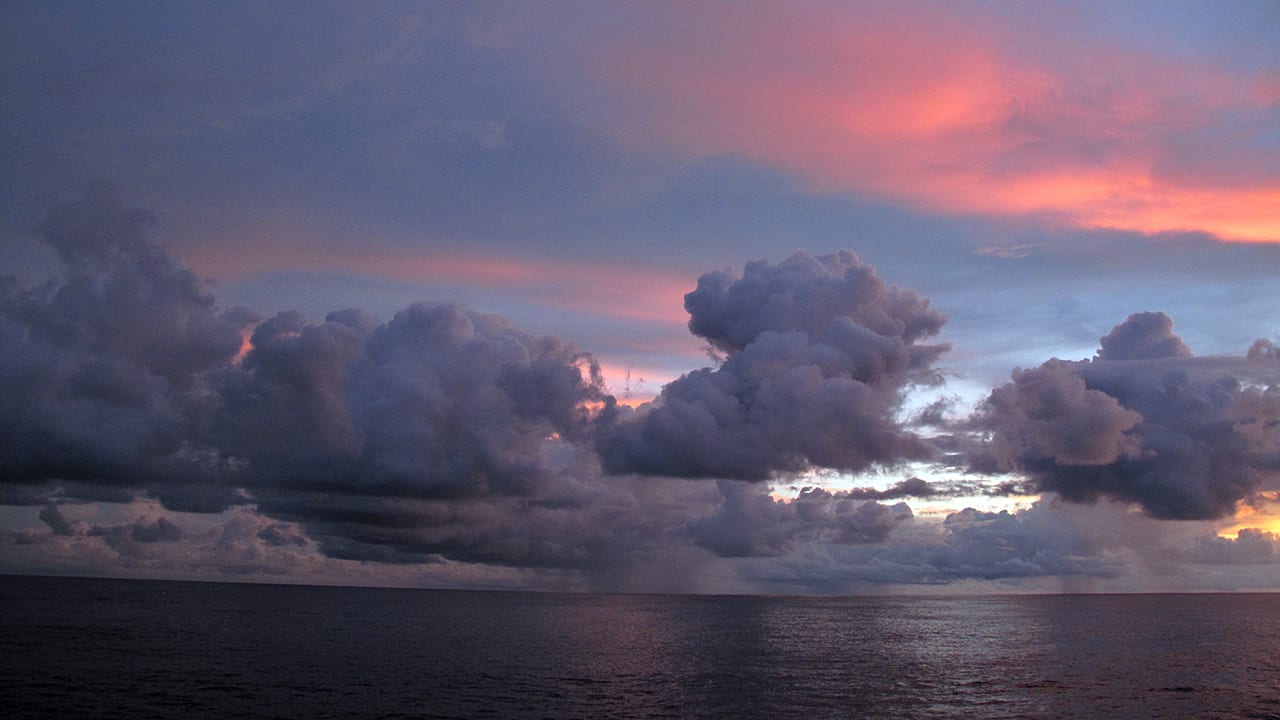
pixel 1264 516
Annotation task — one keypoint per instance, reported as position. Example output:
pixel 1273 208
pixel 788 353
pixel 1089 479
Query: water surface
pixel 87 648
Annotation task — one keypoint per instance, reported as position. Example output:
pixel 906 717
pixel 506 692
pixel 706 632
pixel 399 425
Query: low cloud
pixel 450 444
pixel 1144 421
pixel 751 523
pixel 911 487
pixel 102 370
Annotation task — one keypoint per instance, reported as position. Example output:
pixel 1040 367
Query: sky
pixel 901 297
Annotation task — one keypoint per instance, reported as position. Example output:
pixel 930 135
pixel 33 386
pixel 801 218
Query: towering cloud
pixel 444 434
pixel 817 351
pixel 101 371
pixel 1184 437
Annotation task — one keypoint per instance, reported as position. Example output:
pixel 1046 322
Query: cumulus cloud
pixel 431 435
pixel 911 487
pixel 817 352
pixel 56 521
pixel 1143 336
pixel 446 439
pixel 101 370
pixel 438 402
pixel 1144 421
pixel 1049 546
pixel 119 536
pixel 444 435
pixel 1251 546
pixel 1049 411
pixel 751 523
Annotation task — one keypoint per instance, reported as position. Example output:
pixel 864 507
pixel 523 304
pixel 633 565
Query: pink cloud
pixel 956 110
pixel 615 290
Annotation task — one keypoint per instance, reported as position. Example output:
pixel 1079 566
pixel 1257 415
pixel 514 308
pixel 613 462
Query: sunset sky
pixel 689 297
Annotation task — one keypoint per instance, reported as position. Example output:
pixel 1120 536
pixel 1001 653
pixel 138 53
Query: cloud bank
pixel 453 441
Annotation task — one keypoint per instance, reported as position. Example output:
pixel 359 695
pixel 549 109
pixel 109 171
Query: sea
pixel 93 648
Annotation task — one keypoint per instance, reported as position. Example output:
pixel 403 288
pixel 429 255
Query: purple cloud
pixel 817 352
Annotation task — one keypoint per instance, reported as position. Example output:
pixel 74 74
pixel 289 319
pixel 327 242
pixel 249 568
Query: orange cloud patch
pixel 1264 515
pixel 956 113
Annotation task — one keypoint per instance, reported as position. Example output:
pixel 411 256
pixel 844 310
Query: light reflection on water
pixel 84 648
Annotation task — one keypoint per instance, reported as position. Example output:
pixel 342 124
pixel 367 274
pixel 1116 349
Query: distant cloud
pixel 1185 438
pixel 751 523
pixel 817 351
pixel 454 442
pixel 911 487
pixel 1143 336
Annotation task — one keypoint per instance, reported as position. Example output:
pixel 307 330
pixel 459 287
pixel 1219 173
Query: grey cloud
pixel 123 377
pixel 442 434
pixel 101 370
pixel 911 487
pixel 56 521
pixel 1143 336
pixel 818 351
pixel 577 521
pixel 751 523
pixel 818 296
pixel 1049 412
pixel 140 530
pixel 160 530
pixel 1183 437
pixel 1251 546
pixel 447 436
pixel 282 534
pixel 1047 540
pixel 439 402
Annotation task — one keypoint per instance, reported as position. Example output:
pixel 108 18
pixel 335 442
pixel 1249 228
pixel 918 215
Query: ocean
pixel 91 648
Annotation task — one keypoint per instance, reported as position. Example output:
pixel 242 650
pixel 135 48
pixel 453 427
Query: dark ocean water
pixel 79 648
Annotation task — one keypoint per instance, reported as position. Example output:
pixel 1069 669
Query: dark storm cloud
pixel 911 487
pixel 447 436
pixel 140 530
pixel 56 521
pixel 817 351
pixel 101 370
pixel 1185 438
pixel 751 523
pixel 576 520
pixel 438 402
pixel 122 376
pixel 443 434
